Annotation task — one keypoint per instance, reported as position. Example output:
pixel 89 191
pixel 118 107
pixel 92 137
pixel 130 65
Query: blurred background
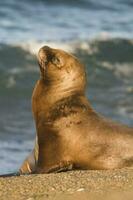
pixel 100 33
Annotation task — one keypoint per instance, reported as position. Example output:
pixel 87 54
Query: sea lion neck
pixel 57 91
pixel 44 97
pixel 64 87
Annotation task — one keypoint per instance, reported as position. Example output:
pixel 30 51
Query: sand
pixel 79 185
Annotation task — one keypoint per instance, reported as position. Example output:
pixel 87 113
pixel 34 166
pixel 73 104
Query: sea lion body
pixel 70 134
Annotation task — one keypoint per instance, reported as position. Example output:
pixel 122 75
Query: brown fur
pixel 70 134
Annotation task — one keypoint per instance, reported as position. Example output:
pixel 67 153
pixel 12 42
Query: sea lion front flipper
pixel 29 164
pixel 61 167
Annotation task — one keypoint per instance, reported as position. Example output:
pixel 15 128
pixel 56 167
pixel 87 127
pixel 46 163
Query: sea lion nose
pixel 43 51
pixel 45 55
pixel 46 48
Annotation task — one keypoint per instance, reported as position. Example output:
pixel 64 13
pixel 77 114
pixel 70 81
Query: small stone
pixel 80 189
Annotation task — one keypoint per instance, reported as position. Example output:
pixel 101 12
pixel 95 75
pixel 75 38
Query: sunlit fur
pixel 70 134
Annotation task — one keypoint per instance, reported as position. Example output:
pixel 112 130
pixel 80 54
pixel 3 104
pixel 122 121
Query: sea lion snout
pixel 46 48
pixel 45 54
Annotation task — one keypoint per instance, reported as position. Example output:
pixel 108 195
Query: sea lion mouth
pixel 45 55
pixel 42 66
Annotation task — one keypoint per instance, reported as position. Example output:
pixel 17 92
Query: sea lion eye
pixel 56 61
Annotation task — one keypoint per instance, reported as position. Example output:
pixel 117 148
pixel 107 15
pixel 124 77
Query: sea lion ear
pixel 56 61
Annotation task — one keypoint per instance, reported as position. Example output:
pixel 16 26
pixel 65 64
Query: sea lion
pixel 70 133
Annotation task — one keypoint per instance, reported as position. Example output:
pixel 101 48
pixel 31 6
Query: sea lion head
pixel 61 69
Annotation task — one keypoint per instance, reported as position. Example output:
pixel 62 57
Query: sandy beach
pixel 81 185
